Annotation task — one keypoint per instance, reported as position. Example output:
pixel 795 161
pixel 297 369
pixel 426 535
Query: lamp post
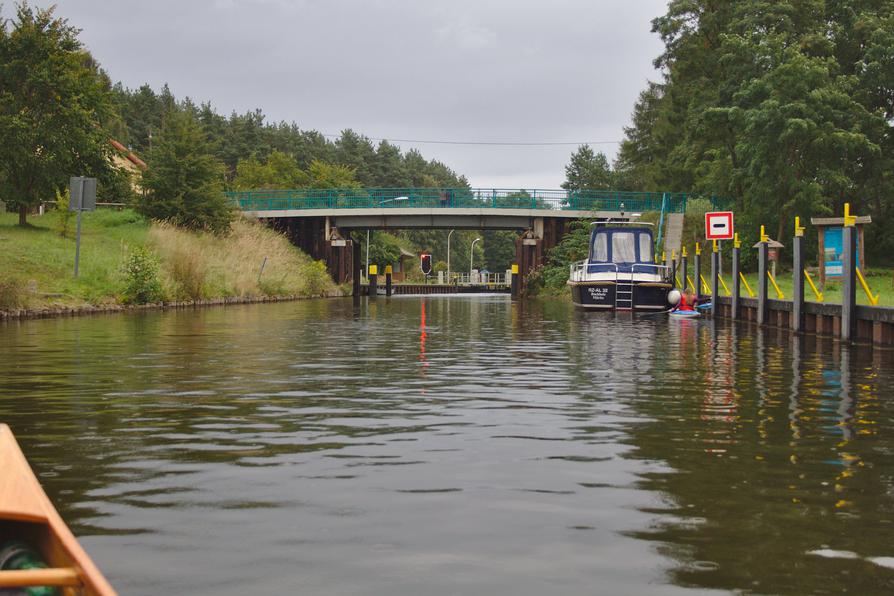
pixel 471 257
pixel 449 234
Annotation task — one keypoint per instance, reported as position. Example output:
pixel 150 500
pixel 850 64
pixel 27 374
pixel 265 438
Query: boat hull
pixel 600 295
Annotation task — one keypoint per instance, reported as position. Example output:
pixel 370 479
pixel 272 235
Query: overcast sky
pixel 457 70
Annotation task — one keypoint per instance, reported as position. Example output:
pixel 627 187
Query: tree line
pixel 785 107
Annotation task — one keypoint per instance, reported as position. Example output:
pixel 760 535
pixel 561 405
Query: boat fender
pixel 674 297
pixel 16 555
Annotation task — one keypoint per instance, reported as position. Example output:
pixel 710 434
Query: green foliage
pixel 63 215
pixel 278 171
pixel 184 183
pixel 588 171
pixel 141 283
pixel 325 175
pixel 784 106
pixel 499 249
pixel 384 249
pixel 53 103
pixel 575 246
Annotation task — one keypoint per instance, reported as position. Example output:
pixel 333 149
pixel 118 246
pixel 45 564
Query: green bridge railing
pixel 492 198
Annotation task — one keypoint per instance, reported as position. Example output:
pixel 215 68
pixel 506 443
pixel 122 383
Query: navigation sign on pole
pixel 82 197
pixel 719 225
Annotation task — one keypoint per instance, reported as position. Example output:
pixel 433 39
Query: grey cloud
pixel 463 70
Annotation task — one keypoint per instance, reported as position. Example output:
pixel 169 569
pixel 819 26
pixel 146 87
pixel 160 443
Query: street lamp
pixel 471 257
pixel 448 255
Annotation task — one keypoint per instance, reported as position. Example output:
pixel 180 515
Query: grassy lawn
pixel 37 262
pixel 879 281
pixel 41 258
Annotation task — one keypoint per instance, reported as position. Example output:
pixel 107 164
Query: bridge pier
pixel 533 246
pixel 321 242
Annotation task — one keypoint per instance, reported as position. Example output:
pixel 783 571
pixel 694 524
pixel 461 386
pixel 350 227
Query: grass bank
pixel 879 281
pixel 37 262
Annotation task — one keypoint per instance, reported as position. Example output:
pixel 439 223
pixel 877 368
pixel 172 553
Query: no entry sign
pixel 719 225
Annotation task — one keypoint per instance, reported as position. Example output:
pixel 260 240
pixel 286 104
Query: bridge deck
pixel 310 202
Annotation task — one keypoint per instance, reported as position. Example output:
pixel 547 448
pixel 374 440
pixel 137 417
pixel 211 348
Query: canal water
pixel 457 445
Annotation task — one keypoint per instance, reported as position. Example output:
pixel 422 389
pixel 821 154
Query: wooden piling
pixel 514 283
pixel 373 281
pixel 388 280
pixel 684 265
pixel 357 269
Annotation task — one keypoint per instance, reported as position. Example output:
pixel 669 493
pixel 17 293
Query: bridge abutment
pixel 321 242
pixel 533 246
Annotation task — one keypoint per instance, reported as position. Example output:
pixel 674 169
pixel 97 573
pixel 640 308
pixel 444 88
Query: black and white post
pixel 736 304
pixel 848 277
pixel 798 278
pixel 762 254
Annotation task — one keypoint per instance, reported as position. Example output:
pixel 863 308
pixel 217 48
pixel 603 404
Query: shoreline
pixel 89 309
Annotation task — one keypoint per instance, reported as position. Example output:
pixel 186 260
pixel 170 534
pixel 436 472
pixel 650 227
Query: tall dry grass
pixel 202 265
pixel 13 294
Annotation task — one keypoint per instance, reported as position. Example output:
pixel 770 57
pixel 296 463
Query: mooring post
pixel 373 281
pixel 735 310
pixel 672 271
pixel 388 280
pixel 684 265
pixel 357 269
pixel 715 279
pixel 798 278
pixel 697 272
pixel 513 284
pixel 762 251
pixel 848 276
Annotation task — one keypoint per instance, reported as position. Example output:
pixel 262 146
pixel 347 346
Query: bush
pixel 141 278
pixel 63 215
pixel 12 294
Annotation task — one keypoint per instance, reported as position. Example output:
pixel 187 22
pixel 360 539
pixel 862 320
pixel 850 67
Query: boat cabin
pixel 621 249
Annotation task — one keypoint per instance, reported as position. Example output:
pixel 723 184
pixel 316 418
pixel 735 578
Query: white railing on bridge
pixel 475 278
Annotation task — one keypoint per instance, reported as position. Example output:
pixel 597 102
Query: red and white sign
pixel 719 225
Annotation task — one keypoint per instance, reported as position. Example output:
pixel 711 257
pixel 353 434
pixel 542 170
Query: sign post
pixel 82 197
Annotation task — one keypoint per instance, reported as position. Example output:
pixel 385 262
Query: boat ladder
pixel 624 294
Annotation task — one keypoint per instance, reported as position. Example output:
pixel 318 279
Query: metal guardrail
pixel 433 198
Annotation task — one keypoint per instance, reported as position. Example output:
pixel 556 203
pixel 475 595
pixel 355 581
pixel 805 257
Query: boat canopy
pixel 621 246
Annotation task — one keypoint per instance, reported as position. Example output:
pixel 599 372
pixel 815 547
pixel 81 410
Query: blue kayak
pixel 685 314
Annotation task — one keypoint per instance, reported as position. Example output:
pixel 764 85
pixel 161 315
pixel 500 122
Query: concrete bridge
pixel 319 221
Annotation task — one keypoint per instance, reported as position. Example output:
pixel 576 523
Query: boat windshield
pixel 600 248
pixel 623 247
pixel 645 248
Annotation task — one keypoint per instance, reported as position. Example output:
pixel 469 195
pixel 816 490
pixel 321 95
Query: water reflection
pixel 457 445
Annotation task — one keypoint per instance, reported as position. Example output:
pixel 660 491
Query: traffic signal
pixel 425 263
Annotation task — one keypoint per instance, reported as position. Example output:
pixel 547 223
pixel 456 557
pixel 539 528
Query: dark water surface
pixel 460 445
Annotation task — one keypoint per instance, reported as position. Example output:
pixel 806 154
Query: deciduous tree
pixel 53 102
